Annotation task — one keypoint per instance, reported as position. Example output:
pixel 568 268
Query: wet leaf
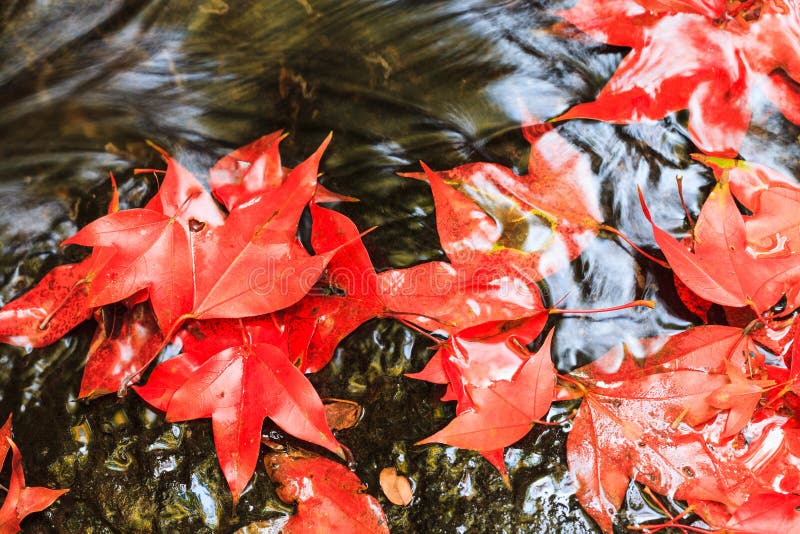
pixel 702 56
pixel 252 264
pixel 767 513
pixel 342 414
pixel 256 169
pixel 396 487
pixel 740 397
pixel 651 421
pixel 237 388
pixel 152 253
pixel 329 497
pixel 114 359
pixel 721 268
pixel 56 305
pixel 345 297
pixel 494 221
pixel 502 411
pixel 20 500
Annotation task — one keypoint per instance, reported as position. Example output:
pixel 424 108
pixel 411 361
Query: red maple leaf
pixel 772 224
pixel 501 410
pixel 182 196
pixel 433 295
pixel 117 355
pixel 438 295
pixel 249 379
pixel 152 246
pixel 642 429
pixel 255 169
pixel 722 268
pixel 56 305
pixel 329 497
pixel 740 397
pixel 666 420
pixel 59 302
pixel 766 513
pixel 248 171
pixel 151 253
pixel 252 264
pixel 480 355
pixel 345 297
pixel 706 56
pixel 21 500
pixel 489 217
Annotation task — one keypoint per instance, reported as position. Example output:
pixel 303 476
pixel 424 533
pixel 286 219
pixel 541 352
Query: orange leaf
pixel 396 487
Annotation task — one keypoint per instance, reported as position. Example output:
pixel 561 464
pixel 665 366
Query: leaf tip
pixel 642 202
pixel 325 142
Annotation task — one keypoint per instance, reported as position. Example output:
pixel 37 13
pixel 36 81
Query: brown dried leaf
pixel 342 414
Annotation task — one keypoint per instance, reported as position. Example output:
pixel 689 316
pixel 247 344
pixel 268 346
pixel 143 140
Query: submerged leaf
pixel 329 497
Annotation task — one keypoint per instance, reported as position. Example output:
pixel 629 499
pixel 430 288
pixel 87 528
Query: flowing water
pixel 83 85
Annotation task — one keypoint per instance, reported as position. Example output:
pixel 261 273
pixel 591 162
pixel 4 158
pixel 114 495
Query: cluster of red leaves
pixel 709 418
pixel 252 310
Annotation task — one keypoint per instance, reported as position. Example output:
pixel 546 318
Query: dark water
pixel 84 83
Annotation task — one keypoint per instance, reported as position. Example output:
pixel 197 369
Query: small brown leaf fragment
pixel 342 414
pixel 396 487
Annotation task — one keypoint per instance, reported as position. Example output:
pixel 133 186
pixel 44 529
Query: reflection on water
pixel 84 83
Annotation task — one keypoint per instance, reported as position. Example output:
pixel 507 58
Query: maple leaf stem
pixel 164 153
pixel 787 387
pixel 672 523
pixel 669 524
pixel 142 171
pixel 80 283
pixel 752 326
pixel 647 303
pixel 680 417
pixel 414 327
pixel 689 218
pixel 2 487
pixel 570 380
pixel 245 337
pixel 657 501
pixel 569 417
pixel 634 245
pixel 520 348
pixel 113 205
pixel 186 203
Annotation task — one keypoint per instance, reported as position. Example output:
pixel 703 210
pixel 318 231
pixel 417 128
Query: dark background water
pixel 84 83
